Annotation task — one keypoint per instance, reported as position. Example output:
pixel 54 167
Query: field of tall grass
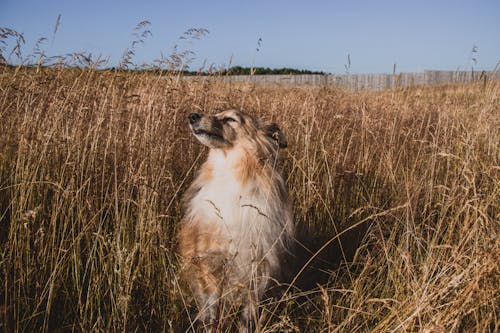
pixel 395 193
pixel 396 198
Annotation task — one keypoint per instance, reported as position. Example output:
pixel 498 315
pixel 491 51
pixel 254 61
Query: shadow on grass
pixel 317 255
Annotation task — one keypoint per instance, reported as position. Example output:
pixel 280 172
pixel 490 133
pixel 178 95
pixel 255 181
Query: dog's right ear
pixel 274 132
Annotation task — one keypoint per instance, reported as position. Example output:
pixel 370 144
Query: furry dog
pixel 238 220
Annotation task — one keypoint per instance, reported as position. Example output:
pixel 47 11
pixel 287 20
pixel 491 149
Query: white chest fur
pixel 242 212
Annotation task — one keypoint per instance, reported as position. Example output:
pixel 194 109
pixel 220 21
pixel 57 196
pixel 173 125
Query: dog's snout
pixel 194 117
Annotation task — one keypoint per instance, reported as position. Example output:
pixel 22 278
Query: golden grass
pixel 92 166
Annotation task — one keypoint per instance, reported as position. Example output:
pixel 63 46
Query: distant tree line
pixel 238 70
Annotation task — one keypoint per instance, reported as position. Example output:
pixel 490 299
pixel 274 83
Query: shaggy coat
pixel 238 220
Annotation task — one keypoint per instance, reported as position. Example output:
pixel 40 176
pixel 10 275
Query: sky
pixel 315 35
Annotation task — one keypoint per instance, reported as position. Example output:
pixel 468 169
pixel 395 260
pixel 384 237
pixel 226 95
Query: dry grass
pixel 92 166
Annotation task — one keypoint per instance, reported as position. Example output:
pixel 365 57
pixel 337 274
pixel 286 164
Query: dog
pixel 238 222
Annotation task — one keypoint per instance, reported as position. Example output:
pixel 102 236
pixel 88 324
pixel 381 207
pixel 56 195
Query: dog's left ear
pixel 273 131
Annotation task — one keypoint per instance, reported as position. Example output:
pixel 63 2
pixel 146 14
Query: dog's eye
pixel 228 120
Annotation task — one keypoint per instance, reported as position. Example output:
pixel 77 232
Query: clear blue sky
pixel 316 35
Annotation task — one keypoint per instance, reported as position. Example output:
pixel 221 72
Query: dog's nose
pixel 193 117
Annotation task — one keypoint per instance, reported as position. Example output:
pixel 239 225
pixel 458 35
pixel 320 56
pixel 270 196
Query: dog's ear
pixel 273 131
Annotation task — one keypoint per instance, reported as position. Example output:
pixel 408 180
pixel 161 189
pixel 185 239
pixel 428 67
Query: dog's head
pixel 231 128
